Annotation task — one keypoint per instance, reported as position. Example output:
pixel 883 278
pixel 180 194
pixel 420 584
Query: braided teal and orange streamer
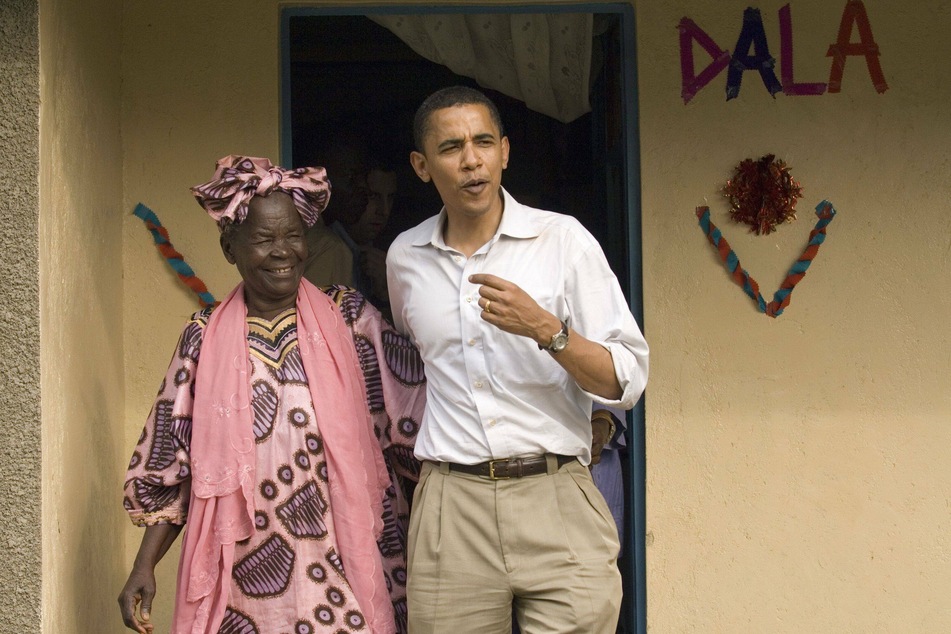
pixel 173 257
pixel 775 308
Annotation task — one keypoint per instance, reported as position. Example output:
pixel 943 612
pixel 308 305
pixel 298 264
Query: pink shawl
pixel 221 507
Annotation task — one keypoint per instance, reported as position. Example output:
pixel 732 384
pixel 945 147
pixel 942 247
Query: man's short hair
pixel 447 98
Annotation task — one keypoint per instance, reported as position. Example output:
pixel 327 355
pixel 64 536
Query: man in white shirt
pixel 521 325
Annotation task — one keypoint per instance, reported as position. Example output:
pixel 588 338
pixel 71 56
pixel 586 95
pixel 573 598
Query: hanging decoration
pixel 173 257
pixel 762 194
pixel 824 211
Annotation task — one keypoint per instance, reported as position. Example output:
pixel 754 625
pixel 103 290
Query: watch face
pixel 559 342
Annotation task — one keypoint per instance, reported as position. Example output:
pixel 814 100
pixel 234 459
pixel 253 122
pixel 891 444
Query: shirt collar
pixel 517 220
pixel 516 223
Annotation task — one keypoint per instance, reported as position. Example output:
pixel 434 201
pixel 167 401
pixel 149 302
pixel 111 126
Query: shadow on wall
pixel 95 580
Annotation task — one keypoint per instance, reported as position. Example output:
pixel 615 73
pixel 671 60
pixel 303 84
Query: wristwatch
pixel 559 340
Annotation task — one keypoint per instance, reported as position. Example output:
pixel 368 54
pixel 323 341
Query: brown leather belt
pixel 511 468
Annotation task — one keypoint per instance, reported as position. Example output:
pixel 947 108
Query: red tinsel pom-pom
pixel 762 194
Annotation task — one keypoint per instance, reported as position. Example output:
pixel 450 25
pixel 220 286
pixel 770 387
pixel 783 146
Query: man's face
pixel 464 155
pixel 381 192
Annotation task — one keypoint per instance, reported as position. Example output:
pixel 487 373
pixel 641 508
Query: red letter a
pixel 855 14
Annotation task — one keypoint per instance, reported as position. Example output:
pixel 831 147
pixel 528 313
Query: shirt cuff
pixel 631 374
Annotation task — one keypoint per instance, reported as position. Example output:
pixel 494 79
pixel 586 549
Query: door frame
pixel 633 617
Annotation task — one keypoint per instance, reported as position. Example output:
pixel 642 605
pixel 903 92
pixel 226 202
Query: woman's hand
pixel 136 596
pixel 139 589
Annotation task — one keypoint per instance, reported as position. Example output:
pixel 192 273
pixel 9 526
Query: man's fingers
pixel 487 279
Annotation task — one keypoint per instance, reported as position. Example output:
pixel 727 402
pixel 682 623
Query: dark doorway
pixel 344 74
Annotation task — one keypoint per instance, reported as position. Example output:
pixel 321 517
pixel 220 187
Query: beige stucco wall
pixel 20 507
pixel 797 467
pixel 84 440
pixel 798 477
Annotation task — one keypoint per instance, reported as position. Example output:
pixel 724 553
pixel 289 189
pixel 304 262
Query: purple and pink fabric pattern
pixel 238 179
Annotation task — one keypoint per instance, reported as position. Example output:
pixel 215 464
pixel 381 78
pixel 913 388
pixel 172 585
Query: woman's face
pixel 270 251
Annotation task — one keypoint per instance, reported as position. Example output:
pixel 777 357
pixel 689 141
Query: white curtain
pixel 543 59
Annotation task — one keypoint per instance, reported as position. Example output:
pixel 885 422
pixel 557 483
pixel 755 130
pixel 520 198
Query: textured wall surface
pixel 19 303
pixel 798 472
pixel 81 321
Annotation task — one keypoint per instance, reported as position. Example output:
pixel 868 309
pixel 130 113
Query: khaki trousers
pixel 546 544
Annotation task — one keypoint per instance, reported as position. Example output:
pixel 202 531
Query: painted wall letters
pixel 751 52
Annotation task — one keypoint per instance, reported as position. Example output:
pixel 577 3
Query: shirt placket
pixel 476 339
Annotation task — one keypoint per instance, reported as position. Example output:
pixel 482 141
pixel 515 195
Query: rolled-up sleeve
pixel 631 368
pixel 600 313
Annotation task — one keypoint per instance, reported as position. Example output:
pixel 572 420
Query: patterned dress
pixel 288 576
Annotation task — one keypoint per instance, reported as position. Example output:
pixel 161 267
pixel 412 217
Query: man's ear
pixel 226 245
pixel 505 152
pixel 418 161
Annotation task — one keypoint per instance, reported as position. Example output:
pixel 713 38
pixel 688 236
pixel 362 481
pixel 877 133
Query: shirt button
pixel 457 258
pixel 478 384
pixel 491 422
pixel 469 300
pixel 472 342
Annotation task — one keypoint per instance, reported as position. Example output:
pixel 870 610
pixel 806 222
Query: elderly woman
pixel 284 417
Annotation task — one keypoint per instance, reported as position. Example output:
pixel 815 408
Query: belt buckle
pixel 492 475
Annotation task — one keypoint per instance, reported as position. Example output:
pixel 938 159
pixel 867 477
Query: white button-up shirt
pixel 491 394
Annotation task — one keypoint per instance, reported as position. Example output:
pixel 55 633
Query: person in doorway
pixel 521 325
pixel 329 259
pixel 608 425
pixel 284 420
pixel 365 186
pixel 361 229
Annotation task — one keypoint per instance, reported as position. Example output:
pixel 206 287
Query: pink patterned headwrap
pixel 238 179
